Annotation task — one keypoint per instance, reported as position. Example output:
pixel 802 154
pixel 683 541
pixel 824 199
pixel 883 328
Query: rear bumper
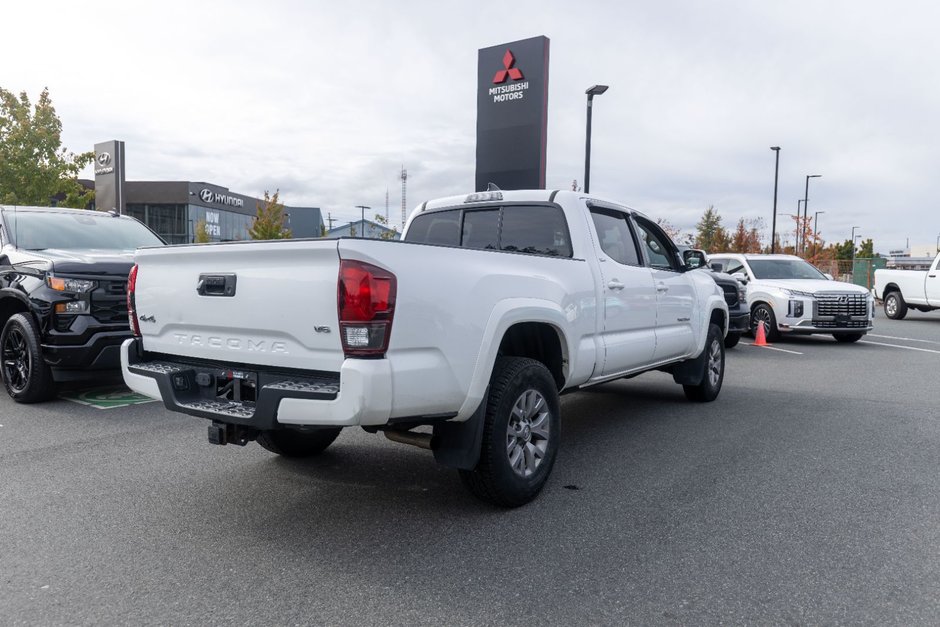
pixel 360 394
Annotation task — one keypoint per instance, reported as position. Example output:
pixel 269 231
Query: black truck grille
pixel 109 301
pixel 841 304
pixel 731 295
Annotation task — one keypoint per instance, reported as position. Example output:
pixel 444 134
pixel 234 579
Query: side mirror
pixel 828 276
pixel 740 276
pixel 694 259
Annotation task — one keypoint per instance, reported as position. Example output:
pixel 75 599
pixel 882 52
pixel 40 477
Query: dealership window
pixel 169 221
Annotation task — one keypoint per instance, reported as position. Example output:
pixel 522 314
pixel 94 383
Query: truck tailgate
pixel 255 303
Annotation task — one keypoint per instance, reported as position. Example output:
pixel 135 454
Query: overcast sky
pixel 327 100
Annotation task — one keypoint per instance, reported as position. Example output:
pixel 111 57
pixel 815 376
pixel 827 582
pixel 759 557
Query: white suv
pixel 788 295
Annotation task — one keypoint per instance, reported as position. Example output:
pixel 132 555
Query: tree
pixel 34 167
pixel 710 235
pixel 672 231
pixel 739 238
pixel 201 233
pixel 269 221
pixel 391 234
pixel 843 251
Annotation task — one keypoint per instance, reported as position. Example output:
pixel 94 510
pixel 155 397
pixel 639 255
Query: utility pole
pixel 773 228
pixel 330 219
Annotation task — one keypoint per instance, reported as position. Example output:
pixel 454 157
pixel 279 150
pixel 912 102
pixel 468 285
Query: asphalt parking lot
pixel 808 493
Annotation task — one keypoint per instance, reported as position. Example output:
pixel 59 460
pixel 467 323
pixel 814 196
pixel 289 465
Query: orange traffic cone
pixel 760 337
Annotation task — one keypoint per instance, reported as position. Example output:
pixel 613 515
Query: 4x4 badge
pixel 147 319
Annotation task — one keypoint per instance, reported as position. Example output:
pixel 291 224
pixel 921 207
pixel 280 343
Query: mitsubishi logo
pixel 509 71
pixel 104 159
pixel 207 195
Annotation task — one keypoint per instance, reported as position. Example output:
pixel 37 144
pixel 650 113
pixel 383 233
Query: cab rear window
pixel 530 229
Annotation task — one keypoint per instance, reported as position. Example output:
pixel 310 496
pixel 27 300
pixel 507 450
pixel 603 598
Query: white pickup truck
pixel 494 304
pixel 903 289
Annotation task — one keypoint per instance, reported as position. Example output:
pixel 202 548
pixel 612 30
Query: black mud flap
pixel 690 371
pixel 457 444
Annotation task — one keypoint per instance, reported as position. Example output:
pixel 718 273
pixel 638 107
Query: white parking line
pixel 773 348
pixel 910 348
pixel 905 339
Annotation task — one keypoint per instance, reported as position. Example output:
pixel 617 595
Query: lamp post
pixel 595 90
pixel 854 237
pixel 806 204
pixel 816 230
pixel 362 222
pixel 773 228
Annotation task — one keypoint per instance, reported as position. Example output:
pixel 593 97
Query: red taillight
pixel 131 308
pixel 366 303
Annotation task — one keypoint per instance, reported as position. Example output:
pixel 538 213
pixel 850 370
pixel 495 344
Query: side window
pixel 481 229
pixel 656 246
pixel 614 237
pixel 539 230
pixel 442 228
pixel 735 266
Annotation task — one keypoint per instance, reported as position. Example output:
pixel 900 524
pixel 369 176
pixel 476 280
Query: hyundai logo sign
pixel 104 159
pixel 207 195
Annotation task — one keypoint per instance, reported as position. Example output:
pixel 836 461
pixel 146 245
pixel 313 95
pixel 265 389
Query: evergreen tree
pixel 710 235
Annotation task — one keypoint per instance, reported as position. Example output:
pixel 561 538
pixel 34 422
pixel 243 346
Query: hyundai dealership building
pixel 174 208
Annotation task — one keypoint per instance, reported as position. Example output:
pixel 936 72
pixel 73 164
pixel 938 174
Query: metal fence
pixel 861 273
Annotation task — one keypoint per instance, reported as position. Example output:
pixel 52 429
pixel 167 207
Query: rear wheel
pixel 895 307
pixel 763 314
pixel 847 338
pixel 520 434
pixel 26 376
pixel 708 388
pixel 298 443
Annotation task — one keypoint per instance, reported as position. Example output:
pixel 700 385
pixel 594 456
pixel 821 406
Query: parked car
pixel 63 300
pixel 493 305
pixel 735 292
pixel 903 289
pixel 788 295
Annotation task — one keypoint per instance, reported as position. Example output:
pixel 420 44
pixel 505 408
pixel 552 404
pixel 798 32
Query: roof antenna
pixel 492 187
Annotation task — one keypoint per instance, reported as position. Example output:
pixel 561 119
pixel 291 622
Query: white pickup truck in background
pixel 901 290
pixel 494 304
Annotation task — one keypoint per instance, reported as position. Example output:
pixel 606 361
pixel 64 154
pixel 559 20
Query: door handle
pixel 615 284
pixel 662 287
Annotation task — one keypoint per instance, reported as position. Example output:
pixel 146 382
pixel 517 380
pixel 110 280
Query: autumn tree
pixel 672 231
pixel 710 235
pixel 201 233
pixel 34 166
pixel 270 220
pixel 391 234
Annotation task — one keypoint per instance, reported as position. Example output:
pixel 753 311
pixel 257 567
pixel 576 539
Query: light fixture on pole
pixel 806 205
pixel 854 237
pixel 595 90
pixel 773 228
pixel 362 223
pixel 816 230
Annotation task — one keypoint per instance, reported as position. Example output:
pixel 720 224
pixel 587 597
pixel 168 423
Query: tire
pixel 520 434
pixel 298 443
pixel 764 313
pixel 847 338
pixel 707 390
pixel 732 339
pixel 26 376
pixel 895 307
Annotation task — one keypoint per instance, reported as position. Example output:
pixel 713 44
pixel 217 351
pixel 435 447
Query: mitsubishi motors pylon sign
pixel 512 114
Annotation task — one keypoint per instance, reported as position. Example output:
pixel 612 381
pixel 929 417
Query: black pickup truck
pixel 63 295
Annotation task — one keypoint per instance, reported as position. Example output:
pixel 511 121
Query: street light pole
pixel 595 90
pixel 806 205
pixel 362 222
pixel 773 228
pixel 853 249
pixel 816 230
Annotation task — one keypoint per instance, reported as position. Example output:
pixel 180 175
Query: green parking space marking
pixel 107 398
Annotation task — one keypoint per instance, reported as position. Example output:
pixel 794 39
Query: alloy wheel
pixel 16 360
pixel 527 433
